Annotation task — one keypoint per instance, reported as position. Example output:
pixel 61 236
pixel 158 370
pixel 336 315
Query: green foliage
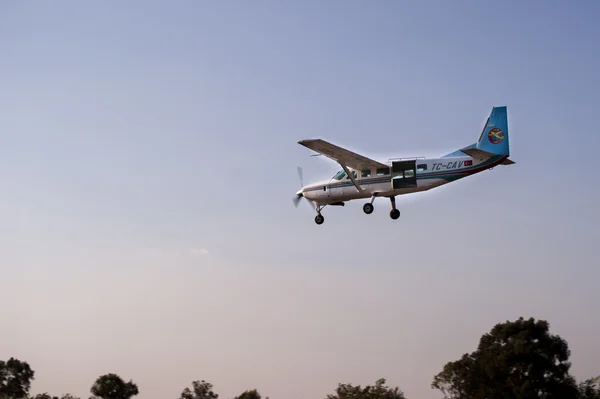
pixel 111 386
pixel 15 379
pixel 200 390
pixel 518 360
pixel 378 391
pixel 253 394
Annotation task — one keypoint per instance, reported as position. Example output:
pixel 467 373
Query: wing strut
pixel 351 176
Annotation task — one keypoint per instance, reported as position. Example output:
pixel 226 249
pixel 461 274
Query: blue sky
pixel 149 155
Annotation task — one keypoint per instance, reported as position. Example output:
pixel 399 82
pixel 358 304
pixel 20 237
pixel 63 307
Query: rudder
pixel 494 137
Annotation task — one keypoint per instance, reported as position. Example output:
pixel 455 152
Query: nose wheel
pixel 319 219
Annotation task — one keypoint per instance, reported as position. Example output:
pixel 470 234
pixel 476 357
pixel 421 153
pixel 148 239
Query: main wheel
pixel 368 208
pixel 319 219
pixel 394 214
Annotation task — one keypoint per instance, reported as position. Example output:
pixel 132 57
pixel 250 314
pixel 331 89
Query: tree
pixel 519 360
pixel 378 391
pixel 15 379
pixel 44 395
pixel 253 394
pixel 588 389
pixel 111 386
pixel 201 390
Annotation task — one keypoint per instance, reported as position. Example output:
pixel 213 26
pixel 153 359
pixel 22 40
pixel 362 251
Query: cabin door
pixel 404 174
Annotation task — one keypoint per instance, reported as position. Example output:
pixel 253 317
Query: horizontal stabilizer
pixel 481 155
pixel 477 154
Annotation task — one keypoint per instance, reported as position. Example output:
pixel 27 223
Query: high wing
pixel 341 155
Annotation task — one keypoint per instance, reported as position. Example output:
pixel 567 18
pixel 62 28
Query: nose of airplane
pixel 298 197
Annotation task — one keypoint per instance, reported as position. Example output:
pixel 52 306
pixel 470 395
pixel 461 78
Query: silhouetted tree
pixel 111 386
pixel 200 390
pixel 378 391
pixel 15 379
pixel 589 389
pixel 253 394
pixel 518 360
pixel 44 395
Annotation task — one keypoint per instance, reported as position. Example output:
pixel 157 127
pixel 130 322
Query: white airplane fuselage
pixel 362 177
pixel 427 174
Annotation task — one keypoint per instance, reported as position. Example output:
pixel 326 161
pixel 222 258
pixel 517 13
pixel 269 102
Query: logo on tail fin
pixel 496 135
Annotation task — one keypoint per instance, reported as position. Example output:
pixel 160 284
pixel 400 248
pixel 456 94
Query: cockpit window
pixel 339 175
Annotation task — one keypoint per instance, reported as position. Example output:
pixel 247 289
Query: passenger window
pixel 383 171
pixel 366 173
pixel 409 173
pixel 421 167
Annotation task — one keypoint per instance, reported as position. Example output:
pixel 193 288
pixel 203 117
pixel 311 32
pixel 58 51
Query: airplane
pixel 362 177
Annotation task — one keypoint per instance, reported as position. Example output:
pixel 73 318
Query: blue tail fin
pixel 494 137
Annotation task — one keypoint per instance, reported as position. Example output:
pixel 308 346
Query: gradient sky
pixel 148 163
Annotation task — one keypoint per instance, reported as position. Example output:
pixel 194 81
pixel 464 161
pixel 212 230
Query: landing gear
pixel 368 207
pixel 394 213
pixel 319 219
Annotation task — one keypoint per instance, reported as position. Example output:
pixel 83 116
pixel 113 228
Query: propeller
pixel 297 199
pixel 300 176
pixel 299 194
